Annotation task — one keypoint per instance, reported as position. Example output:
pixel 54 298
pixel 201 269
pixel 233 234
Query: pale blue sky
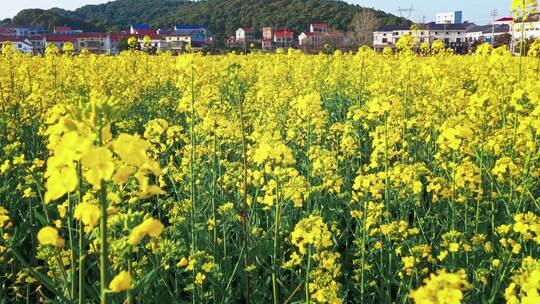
pixel 475 10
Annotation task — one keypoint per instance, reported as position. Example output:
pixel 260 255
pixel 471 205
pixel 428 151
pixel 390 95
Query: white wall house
pixel 453 35
pixel 20 44
pixel 245 34
pixel 486 33
pixel 388 36
pixel 318 28
pixel 531 30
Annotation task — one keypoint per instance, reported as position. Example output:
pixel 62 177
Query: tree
pixel 364 24
pixel 123 44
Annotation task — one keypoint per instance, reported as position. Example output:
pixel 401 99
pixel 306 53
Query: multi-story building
pixel 58 40
pixel 318 28
pixel 65 30
pixel 311 40
pixel 20 44
pixel 196 36
pixel 486 33
pixel 284 38
pixel 94 42
pixel 27 31
pixel 245 35
pixel 267 37
pixel 157 41
pixel 531 29
pixel 453 35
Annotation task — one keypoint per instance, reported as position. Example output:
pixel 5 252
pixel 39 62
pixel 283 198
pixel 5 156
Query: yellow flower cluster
pixel 441 288
pixel 525 284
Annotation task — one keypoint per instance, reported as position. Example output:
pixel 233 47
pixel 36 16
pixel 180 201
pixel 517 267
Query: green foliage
pixel 223 17
pixel 49 19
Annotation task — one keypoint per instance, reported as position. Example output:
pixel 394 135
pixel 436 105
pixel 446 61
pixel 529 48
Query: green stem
pixel 103 242
pixel 276 246
pixel 308 270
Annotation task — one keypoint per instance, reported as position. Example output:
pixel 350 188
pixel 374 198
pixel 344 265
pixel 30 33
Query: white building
pixel 531 30
pixel 453 35
pixel 19 44
pixel 486 33
pixel 454 17
pixel 318 28
pixel 245 34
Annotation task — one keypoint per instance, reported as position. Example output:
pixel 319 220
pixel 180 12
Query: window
pixel 384 34
pixel 82 44
pixel 436 33
pixel 421 33
pixel 458 40
pixel 459 33
pixel 446 40
pixel 19 45
pixel 447 33
pixel 384 40
pixel 396 33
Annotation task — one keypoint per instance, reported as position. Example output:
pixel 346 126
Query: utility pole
pixel 493 15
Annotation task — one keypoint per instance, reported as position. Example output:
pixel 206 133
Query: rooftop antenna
pixel 407 11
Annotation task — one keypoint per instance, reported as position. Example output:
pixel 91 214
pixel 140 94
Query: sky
pixel 478 11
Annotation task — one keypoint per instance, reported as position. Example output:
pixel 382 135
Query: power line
pixel 403 11
pixel 493 16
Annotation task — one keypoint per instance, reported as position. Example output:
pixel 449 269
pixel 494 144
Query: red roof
pixel 12 39
pixel 505 19
pixel 62 28
pixel 59 38
pixel 91 35
pixel 312 33
pixel 150 33
pixel 319 25
pixel 248 29
pixel 284 33
pixel 118 37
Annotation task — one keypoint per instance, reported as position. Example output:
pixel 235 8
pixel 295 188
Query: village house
pixel 196 36
pixel 65 30
pixel 21 44
pixel 245 35
pixel 58 40
pixel 311 40
pixel 531 29
pixel 318 28
pixel 284 38
pixel 267 38
pixel 452 34
pixel 27 31
pixel 94 42
pixel 486 33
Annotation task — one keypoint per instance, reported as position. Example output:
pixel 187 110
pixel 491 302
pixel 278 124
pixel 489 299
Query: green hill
pixel 222 16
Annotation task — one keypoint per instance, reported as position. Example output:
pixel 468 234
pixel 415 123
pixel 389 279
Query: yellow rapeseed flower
pixel 121 282
pixel 49 236
pixel 87 213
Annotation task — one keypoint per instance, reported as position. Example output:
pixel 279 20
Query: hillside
pixel 222 16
